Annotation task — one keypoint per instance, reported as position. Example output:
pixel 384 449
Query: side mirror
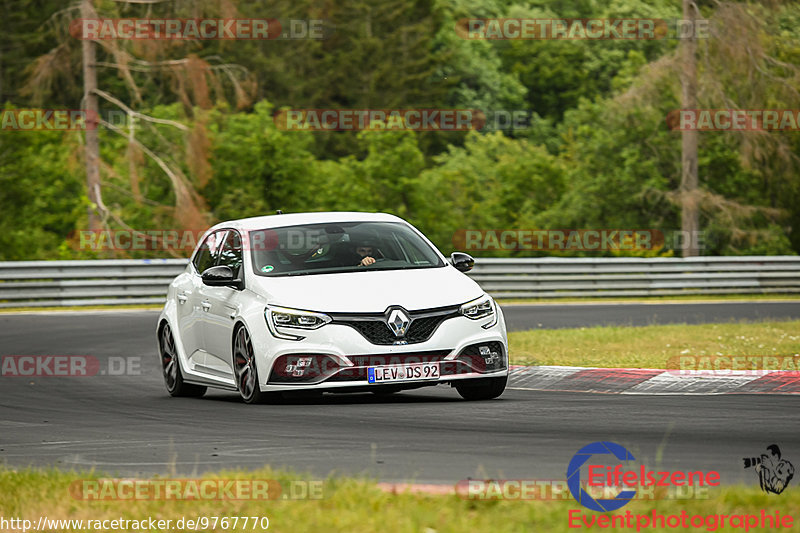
pixel 463 262
pixel 221 276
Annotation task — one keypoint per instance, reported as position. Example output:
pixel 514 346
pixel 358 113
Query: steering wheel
pixel 299 259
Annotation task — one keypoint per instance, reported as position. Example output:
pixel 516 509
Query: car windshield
pixel 340 247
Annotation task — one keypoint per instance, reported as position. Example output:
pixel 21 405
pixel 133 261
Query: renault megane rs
pixel 333 302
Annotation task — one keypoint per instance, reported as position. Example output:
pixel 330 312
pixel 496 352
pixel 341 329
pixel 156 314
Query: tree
pixel 92 151
pixel 688 193
pixel 194 81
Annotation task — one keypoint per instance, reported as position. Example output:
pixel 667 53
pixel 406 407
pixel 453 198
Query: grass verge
pixel 652 346
pixel 354 505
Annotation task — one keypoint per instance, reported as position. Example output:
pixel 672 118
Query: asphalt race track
pixel 128 425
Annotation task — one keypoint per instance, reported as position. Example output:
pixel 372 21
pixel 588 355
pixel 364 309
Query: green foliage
pixel 557 74
pixel 42 194
pixel 256 168
pixel 493 182
pixel 597 152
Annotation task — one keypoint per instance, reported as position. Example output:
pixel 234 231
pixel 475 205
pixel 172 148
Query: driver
pixel 366 250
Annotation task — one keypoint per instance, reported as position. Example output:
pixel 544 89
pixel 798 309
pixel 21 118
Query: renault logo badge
pixel 398 321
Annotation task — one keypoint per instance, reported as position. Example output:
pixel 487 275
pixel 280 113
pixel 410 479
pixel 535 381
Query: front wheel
pixel 482 388
pixel 246 372
pixel 171 368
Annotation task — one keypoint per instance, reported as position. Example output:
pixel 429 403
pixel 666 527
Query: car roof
pixel 294 219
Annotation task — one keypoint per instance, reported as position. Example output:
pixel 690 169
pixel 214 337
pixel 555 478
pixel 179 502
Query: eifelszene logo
pixel 574 476
pixel 774 473
pixel 619 476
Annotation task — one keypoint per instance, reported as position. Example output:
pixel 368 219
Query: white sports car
pixel 334 302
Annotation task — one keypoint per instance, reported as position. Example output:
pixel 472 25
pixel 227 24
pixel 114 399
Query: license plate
pixel 395 373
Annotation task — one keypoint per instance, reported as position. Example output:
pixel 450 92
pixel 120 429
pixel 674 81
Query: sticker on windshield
pixel 267 268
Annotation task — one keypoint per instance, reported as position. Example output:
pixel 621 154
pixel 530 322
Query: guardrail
pixel 145 281
pixel 97 282
pixel 628 276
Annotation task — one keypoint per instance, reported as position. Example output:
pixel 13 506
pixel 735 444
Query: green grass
pixel 356 505
pixel 651 346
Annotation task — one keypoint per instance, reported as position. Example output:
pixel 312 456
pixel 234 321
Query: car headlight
pixel 284 317
pixel 479 308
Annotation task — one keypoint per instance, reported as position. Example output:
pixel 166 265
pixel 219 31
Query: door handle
pixel 182 297
pixel 206 305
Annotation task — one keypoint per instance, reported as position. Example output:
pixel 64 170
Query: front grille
pixel 375 330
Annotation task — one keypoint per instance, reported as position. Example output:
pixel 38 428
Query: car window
pixel 231 254
pixel 410 249
pixel 206 255
pixel 339 247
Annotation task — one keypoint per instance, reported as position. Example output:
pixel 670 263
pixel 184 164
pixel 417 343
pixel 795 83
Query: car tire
pixel 171 368
pixel 246 372
pixel 482 388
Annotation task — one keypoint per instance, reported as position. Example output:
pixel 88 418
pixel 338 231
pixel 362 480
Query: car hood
pixel 370 291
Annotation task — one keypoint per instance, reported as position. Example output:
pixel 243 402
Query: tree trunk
pixel 89 49
pixel 689 207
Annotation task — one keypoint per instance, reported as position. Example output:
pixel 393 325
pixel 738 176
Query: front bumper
pixel 337 356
